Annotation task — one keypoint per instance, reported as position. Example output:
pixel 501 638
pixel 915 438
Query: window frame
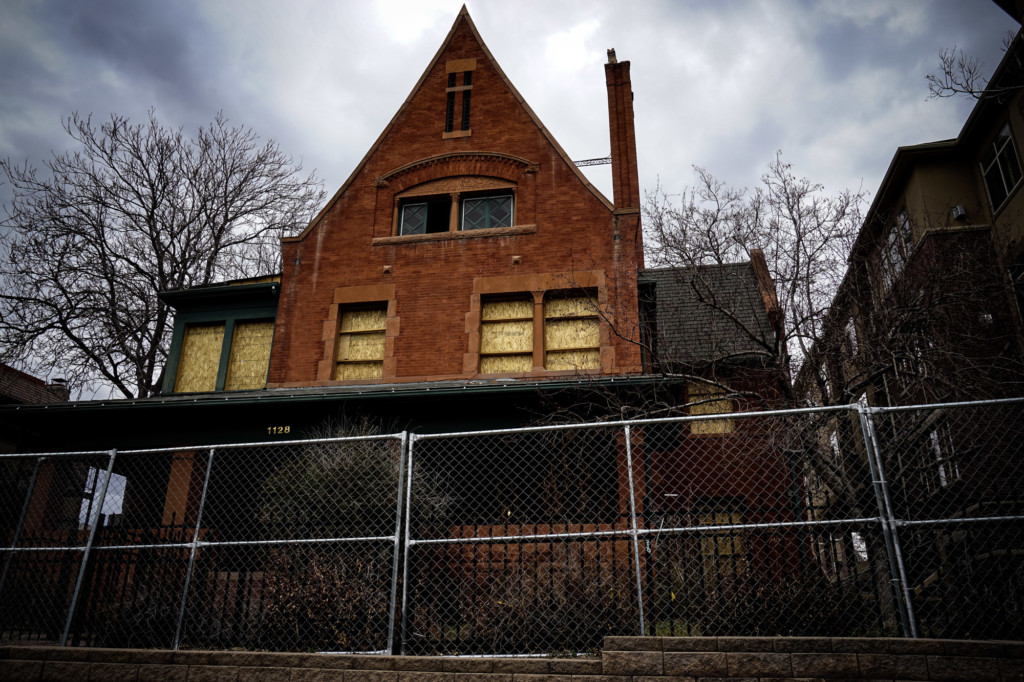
pixel 488 322
pixel 896 249
pixel 226 303
pixel 455 192
pixel 376 306
pixel 486 197
pixel 423 201
pixel 174 364
pixel 998 150
pixel 539 326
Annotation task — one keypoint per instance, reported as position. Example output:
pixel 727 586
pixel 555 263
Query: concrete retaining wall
pixel 625 659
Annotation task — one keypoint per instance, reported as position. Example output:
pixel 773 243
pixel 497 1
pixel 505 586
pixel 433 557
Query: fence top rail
pixel 939 406
pixel 639 422
pixel 852 407
pixel 201 448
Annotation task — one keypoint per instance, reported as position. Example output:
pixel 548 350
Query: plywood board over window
pixel 724 550
pixel 708 401
pixel 572 332
pixel 250 355
pixel 200 358
pixel 359 353
pixel 506 335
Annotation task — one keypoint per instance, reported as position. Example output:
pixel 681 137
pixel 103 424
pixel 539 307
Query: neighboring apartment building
pixel 930 311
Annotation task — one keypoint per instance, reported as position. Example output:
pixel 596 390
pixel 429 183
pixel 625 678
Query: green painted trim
pixel 225 353
pixel 316 394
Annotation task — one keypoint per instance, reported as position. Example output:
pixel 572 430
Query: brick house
pixel 465 276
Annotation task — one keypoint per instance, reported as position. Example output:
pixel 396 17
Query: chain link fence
pixel 840 521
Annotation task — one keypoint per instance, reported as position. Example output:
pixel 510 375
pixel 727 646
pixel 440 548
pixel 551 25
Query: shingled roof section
pixel 705 314
pixel 18 387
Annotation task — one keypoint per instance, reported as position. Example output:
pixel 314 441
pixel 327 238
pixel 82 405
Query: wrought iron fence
pixel 840 521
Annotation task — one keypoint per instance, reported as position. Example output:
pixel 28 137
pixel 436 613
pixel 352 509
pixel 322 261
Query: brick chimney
pixel 625 180
pixel 626 187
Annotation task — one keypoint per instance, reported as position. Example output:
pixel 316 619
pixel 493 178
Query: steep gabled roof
pixel 707 314
pixel 463 16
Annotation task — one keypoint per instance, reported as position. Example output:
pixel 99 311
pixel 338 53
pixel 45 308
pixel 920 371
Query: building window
pixel 200 358
pixel 449 114
pixel 1001 168
pixel 359 353
pixel 467 81
pixel 487 211
pixel 569 326
pixel 723 551
pixel 425 216
pixel 433 214
pixel 709 399
pixel 851 335
pixel 939 458
pixel 572 333
pixel 506 335
pixel 204 366
pixel 249 357
pixel 899 244
pixel 452 95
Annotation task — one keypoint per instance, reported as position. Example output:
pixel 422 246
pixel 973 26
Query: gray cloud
pixel 837 86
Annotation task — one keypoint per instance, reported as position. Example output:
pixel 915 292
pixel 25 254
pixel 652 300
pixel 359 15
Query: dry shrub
pixel 325 599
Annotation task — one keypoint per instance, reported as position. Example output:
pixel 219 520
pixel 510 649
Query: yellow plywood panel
pixel 574 306
pixel 722 543
pixel 250 355
pixel 506 337
pixel 200 358
pixel 358 370
pixel 521 309
pixel 572 359
pixel 572 334
pixel 505 364
pixel 363 320
pixel 360 347
pixel 698 392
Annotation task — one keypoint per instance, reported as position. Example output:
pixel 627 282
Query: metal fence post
pixel 392 602
pixel 192 555
pixel 88 548
pixel 21 522
pixel 634 531
pixel 404 639
pixel 888 520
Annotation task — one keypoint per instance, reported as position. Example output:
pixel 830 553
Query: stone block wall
pixel 625 659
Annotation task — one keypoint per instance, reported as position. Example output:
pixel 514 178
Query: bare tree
pixel 961 74
pixel 135 210
pixel 804 233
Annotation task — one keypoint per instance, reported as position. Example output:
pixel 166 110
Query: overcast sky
pixel 836 85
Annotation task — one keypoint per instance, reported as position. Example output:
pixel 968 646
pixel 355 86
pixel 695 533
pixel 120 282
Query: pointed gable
pixel 419 129
pixel 465 196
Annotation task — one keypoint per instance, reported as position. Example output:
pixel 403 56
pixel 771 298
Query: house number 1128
pixel 278 430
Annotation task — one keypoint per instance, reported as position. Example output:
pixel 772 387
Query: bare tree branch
pixel 136 209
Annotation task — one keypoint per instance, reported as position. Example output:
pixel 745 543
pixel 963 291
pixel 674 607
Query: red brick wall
pixel 428 328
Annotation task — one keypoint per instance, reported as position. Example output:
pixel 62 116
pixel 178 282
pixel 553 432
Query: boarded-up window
pixel 724 549
pixel 506 335
pixel 572 337
pixel 360 350
pixel 706 401
pixel 200 358
pixel 250 355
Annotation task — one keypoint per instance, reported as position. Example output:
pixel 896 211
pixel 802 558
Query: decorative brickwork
pixel 561 227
